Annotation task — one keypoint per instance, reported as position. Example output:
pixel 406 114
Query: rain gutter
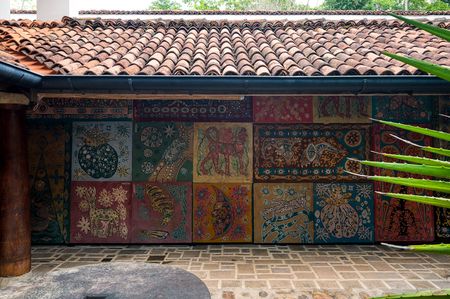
pixel 246 85
pixel 223 85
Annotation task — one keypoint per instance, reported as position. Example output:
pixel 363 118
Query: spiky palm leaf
pixel 429 200
pixel 416 160
pixel 437 70
pixel 419 295
pixel 436 171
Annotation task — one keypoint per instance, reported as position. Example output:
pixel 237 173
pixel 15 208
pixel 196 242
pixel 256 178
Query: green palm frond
pixel 429 200
pixel 416 160
pixel 419 295
pixel 436 171
pixel 434 69
pixel 430 149
pixel 424 131
pixel 437 31
pixel 433 185
pixel 427 67
pixel 428 248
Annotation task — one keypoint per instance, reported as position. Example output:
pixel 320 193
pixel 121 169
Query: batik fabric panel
pixel 223 152
pixel 162 213
pixel 282 109
pixel 100 212
pixel 222 213
pixel 101 151
pixel 49 169
pixel 309 153
pixel 343 213
pixel 398 220
pixel 162 152
pixel 283 213
pixel 342 109
pixel 193 110
pixel 81 109
pixel 405 108
pixel 444 122
pixel 443 224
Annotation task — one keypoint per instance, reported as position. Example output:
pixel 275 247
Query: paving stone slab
pixel 107 281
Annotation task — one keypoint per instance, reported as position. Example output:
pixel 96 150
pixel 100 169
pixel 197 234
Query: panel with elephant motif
pixel 343 213
pixel 101 151
pixel 342 109
pixel 443 224
pixel 223 152
pixel 49 167
pixel 283 213
pixel 308 153
pixel 396 219
pixel 100 212
pixel 193 110
pixel 222 213
pixel 282 109
pixel 162 152
pixel 161 213
pixel 405 108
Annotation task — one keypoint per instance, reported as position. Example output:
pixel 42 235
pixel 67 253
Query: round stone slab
pixel 110 281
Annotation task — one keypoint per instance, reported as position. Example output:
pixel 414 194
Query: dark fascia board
pixel 246 85
pixel 224 85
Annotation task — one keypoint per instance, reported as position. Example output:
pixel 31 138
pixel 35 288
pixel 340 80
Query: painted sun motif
pixel 105 199
pixel 84 225
pixel 169 131
pixel 119 194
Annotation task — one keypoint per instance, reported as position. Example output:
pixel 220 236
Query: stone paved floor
pixel 256 271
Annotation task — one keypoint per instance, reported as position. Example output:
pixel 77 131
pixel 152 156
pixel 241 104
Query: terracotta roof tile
pixel 219 48
pixel 255 12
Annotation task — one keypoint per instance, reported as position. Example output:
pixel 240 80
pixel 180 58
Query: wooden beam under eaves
pixel 128 96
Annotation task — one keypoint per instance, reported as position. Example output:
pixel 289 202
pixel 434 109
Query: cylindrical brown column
pixel 15 235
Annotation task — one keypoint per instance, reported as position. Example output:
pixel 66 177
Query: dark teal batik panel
pixel 162 152
pixel 49 152
pixel 407 109
pixel 343 213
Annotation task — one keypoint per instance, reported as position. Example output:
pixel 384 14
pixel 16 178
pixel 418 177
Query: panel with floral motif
pixel 405 108
pixel 162 152
pixel 342 109
pixel 49 168
pixel 51 108
pixel 162 213
pixel 443 224
pixel 283 213
pixel 308 153
pixel 396 219
pixel 343 213
pixel 223 152
pixel 100 212
pixel 101 151
pixel 282 109
pixel 193 110
pixel 222 213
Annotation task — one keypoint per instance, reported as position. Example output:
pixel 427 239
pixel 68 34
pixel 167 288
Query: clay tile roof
pixel 218 48
pixel 252 12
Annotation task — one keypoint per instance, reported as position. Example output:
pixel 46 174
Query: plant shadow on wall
pixel 434 173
